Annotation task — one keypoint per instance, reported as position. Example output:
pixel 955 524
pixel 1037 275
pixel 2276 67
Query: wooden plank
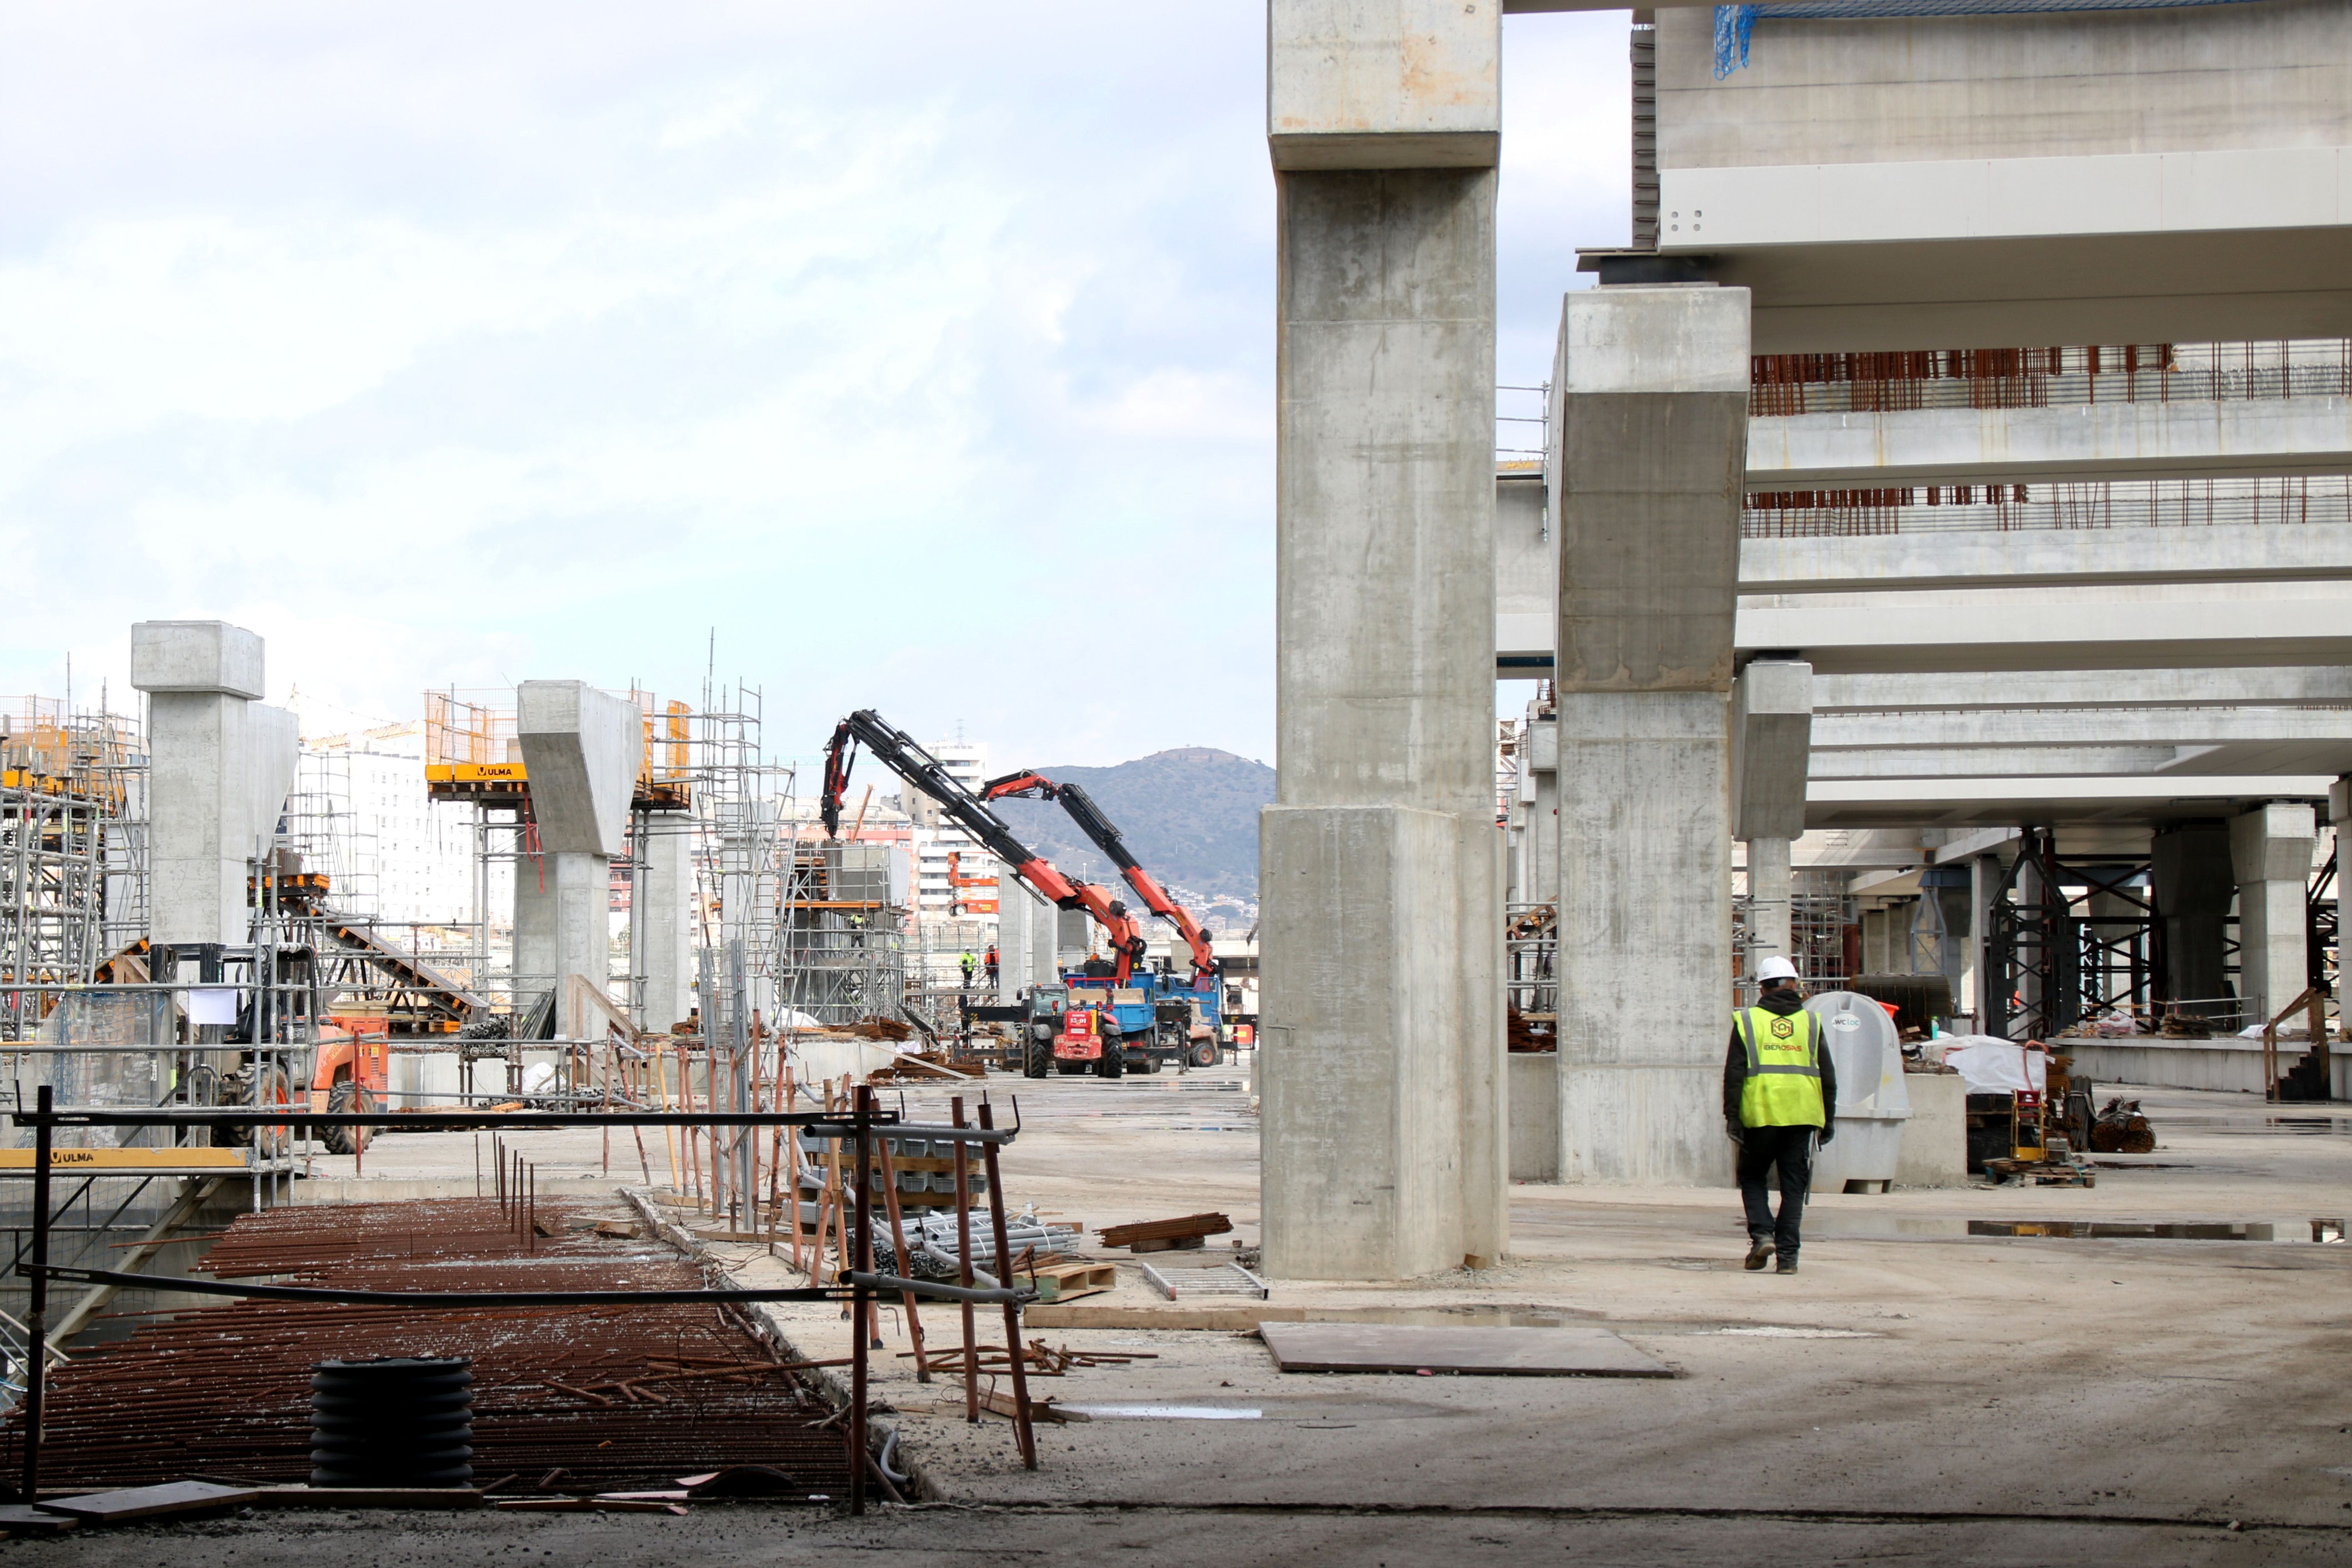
pixel 148 1503
pixel 1166 1229
pixel 24 1519
pixel 1487 1352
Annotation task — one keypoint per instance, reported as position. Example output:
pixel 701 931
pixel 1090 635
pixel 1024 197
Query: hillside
pixel 1189 815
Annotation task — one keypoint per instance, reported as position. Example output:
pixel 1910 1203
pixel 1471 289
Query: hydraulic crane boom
pixel 899 752
pixel 1107 838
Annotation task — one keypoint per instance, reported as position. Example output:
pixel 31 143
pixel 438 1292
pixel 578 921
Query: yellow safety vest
pixel 1784 1069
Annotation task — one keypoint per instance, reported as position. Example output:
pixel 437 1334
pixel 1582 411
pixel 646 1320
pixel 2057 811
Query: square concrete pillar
pixel 2192 882
pixel 663 911
pixel 1360 1086
pixel 1645 936
pixel 2270 854
pixel 1381 885
pixel 1650 427
pixel 220 767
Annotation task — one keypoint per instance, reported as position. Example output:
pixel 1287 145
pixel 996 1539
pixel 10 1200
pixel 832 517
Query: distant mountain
pixel 1189 815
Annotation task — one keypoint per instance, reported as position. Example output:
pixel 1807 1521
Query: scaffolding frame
pixel 73 886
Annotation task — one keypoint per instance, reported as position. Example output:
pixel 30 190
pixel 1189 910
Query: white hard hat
pixel 1776 969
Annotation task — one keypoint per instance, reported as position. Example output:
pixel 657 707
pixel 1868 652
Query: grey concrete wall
pixel 2245 77
pixel 1650 423
pixel 1384 1129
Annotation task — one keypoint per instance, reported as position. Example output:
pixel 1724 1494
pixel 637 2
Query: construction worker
pixel 1780 1088
pixel 991 961
pixel 969 963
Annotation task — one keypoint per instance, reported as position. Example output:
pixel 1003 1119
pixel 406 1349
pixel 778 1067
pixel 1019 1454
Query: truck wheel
pixel 344 1100
pixel 1039 1058
pixel 1114 1060
pixel 1205 1054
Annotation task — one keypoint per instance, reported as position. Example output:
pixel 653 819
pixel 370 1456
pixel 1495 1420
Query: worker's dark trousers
pixel 1791 1149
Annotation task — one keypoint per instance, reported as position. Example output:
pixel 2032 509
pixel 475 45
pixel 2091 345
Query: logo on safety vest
pixel 1782 1028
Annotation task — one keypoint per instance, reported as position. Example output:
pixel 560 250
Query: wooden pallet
pixel 1068 1281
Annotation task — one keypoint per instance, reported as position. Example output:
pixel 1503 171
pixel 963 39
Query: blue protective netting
pixel 1733 24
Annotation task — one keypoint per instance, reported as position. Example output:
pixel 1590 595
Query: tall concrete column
pixel 1771 746
pixel 664 910
pixel 580 748
pixel 1384 1137
pixel 1649 447
pixel 2191 877
pixel 220 766
pixel 2270 854
pixel 1542 883
pixel 1015 926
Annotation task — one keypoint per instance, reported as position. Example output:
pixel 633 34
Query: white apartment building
pixel 935 840
pixel 359 813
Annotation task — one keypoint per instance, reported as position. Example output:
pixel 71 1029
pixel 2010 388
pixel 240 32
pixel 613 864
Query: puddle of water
pixel 2269 1126
pixel 1460 1318
pixel 1163 1412
pixel 2122 1230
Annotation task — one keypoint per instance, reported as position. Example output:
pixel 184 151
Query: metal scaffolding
pixel 72 850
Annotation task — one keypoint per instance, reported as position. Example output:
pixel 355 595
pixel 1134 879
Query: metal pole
pixel 963 1263
pixel 37 1315
pixel 1024 1434
pixel 860 1313
pixel 905 1262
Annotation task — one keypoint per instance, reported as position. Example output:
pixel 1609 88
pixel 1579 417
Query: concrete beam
pixel 1982 801
pixel 1771 730
pixel 2040 629
pixel 196 657
pixel 2191 439
pixel 580 748
pixel 2022 762
pixel 2161 726
pixel 1650 387
pixel 2013 690
pixel 1384 84
pixel 1983 558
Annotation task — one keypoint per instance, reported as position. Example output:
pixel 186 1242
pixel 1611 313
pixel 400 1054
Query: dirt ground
pixel 1918 1392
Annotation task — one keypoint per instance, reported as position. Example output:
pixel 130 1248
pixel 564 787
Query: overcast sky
pixel 922 353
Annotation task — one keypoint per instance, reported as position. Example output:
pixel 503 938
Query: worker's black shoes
pixel 1785 1265
pixel 1760 1254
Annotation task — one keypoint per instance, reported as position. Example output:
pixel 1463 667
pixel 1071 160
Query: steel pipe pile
pixel 600 1396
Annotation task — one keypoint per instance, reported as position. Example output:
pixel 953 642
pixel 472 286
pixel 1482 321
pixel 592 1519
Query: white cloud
pixel 925 354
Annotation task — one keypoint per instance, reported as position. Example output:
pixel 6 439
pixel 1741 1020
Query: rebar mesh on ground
pixel 612 1397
